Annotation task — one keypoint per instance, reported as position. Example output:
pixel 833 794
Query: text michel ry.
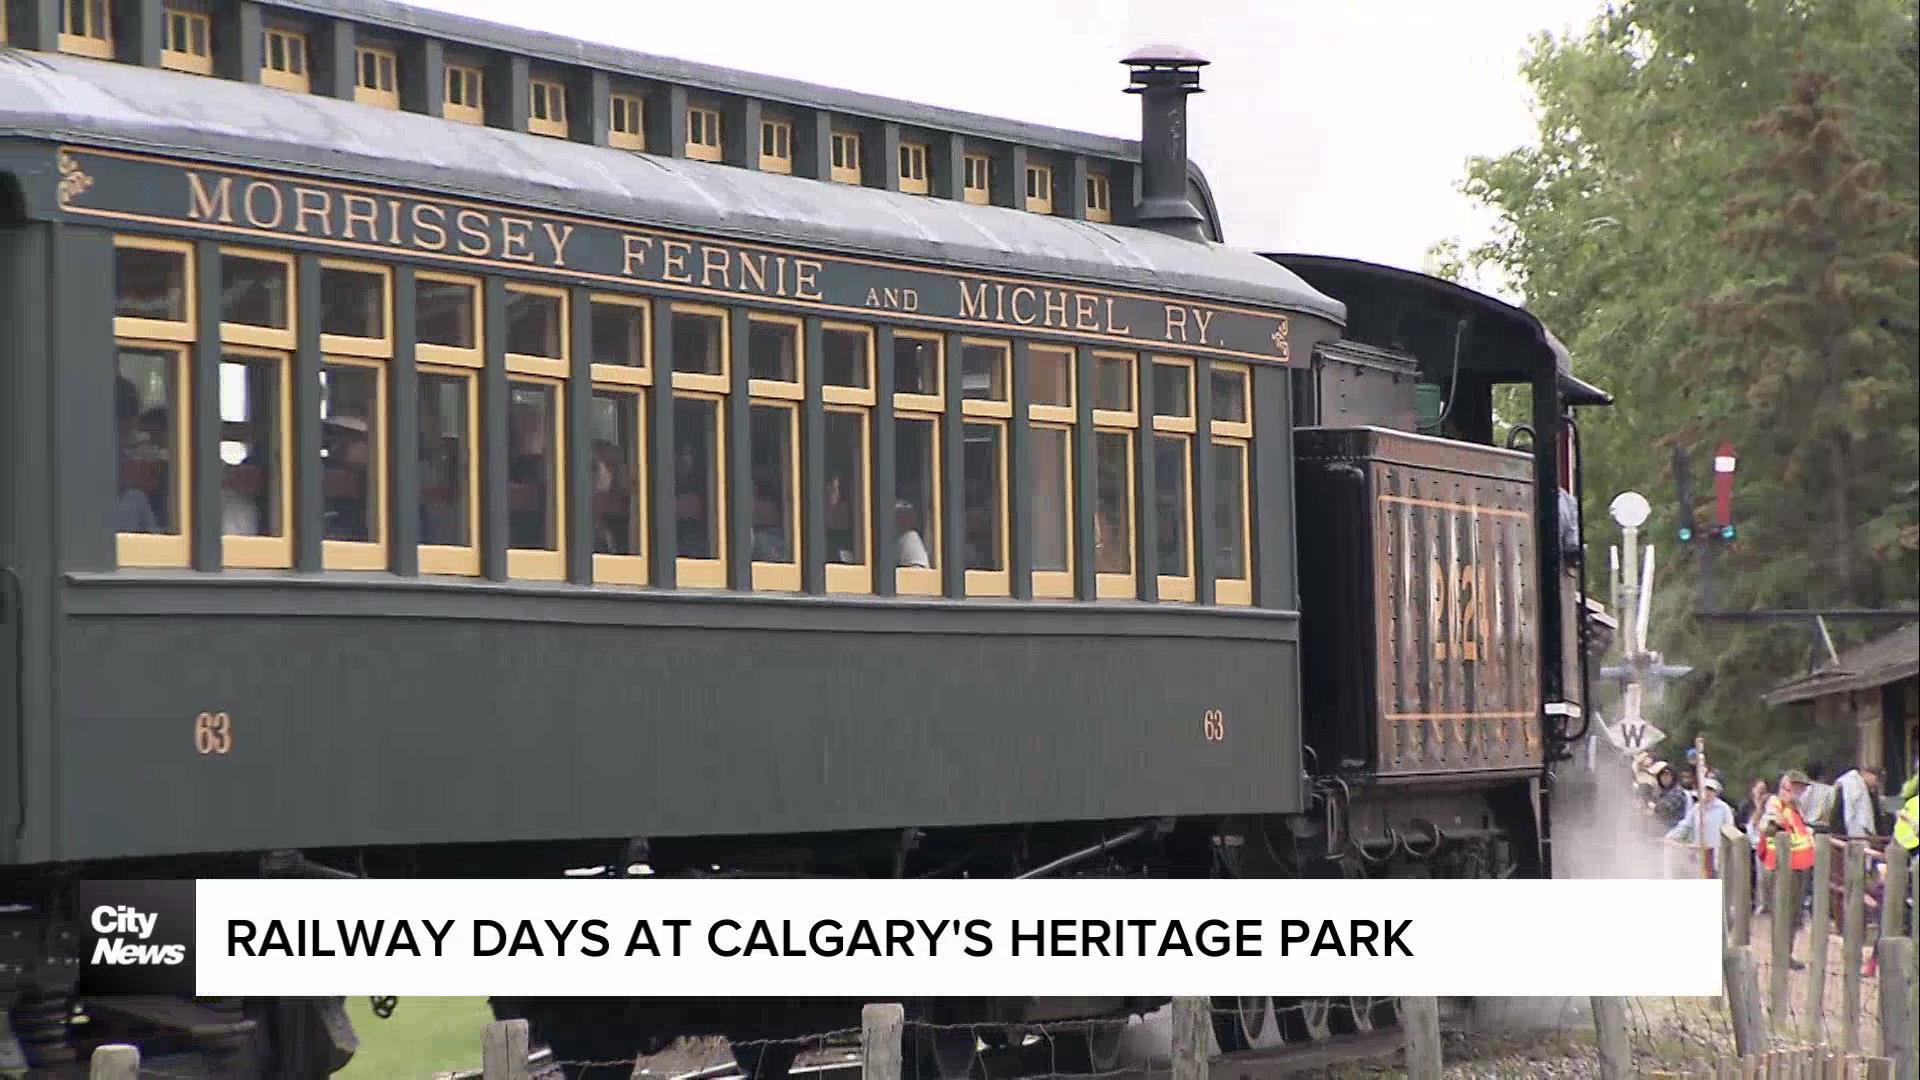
pixel 331 214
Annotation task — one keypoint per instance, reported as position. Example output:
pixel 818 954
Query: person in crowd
pixel 132 508
pixel 1702 826
pixel 1856 790
pixel 1673 801
pixel 1817 801
pixel 529 521
pixel 1747 816
pixel 1783 815
pixel 912 549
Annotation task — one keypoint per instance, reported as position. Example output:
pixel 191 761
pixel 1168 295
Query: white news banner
pixel 1064 938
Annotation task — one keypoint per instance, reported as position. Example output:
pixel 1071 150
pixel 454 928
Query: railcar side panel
pixel 457 718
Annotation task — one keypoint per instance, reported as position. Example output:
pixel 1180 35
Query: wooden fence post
pixel 1786 908
pixel 503 1050
pixel 1743 891
pixel 1192 1037
pixel 1743 1001
pixel 1899 1027
pixel 1853 931
pixel 1818 928
pixel 114 1062
pixel 1421 1015
pixel 1610 1033
pixel 882 1028
pixel 1893 906
pixel 1724 863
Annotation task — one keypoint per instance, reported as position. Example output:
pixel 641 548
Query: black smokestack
pixel 1163 76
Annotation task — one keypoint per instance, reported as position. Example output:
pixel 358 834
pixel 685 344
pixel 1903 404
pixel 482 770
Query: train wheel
pixel 764 1061
pixel 1239 1022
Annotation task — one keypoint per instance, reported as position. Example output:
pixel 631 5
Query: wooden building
pixel 1874 688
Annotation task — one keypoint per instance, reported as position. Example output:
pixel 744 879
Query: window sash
pixel 465 94
pixel 628 127
pixel 542 563
pixel 778 575
pixel 1177 583
pixel 794 331
pixel 172 549
pixel 703 134
pixel 1239 498
pixel 719 382
pixel 913 401
pixel 847 393
pixel 920 580
pixel 265 335
pixel 456 559
pixel 854 575
pixel 697 571
pixel 274 550
pixel 461 355
pixel 1052 582
pixel 846 157
pixel 776 146
pixel 913 169
pixel 977 179
pixel 539 363
pixel 371 553
pixel 353 345
pixel 1055 411
pixel 1112 583
pixel 609 567
pixel 376 79
pixel 187 42
pixel 183 329
pixel 607 371
pixel 1040 189
pixel 93 36
pixel 547 108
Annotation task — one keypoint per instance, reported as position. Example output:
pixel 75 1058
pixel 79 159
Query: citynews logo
pixel 137 937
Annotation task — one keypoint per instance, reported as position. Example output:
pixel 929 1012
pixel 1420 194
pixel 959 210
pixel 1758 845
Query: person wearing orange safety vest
pixel 1783 816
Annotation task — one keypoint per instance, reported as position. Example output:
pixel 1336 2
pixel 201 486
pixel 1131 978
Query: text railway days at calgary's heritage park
pixel 978 938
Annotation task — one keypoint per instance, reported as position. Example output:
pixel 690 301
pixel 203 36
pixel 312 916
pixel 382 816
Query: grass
pixel 423 1037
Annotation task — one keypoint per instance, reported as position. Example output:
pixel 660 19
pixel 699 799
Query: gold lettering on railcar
pixel 1213 726
pixel 1457 614
pixel 213 733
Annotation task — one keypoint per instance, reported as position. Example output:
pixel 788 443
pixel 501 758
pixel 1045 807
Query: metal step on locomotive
pixel 428 448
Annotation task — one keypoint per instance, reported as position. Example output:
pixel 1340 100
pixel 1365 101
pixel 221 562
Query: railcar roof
pixel 97 103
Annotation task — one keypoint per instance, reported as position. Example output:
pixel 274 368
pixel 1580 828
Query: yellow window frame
pixel 426 352
pixel 1054 413
pixel 1236 429
pixel 704 140
pixel 177 41
pixel 857 577
pixel 1239 590
pixel 1113 585
pixel 297 75
pixel 925 580
pixel 627 121
pixel 711 573
pixel 1130 416
pixel 1040 189
pixel 94 37
pixel 366 554
pixel 1099 198
pixel 548 96
pixel 162 329
pixel 783 576
pixel 544 564
pixel 386 68
pixel 1181 422
pixel 460 560
pixel 266 337
pixel 913 168
pixel 627 374
pixel 350 345
pixel 1178 586
pixel 1058 584
pixel 835 394
pixel 472 86
pixel 994 582
pixel 1001 407
pixel 977 167
pixel 268 552
pixel 776 146
pixel 166 549
pixel 715 383
pixel 796 389
pixel 846 157
pixel 628 569
pixel 552 367
pixel 935 402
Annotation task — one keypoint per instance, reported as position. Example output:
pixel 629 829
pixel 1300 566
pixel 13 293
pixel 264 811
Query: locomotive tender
pixel 528 455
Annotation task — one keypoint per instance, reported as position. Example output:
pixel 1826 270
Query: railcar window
pixel 773 351
pixel 449 517
pixel 283 60
pixel 1099 198
pixel 353 456
pixel 254 448
pixel 534 438
pixel 913 168
pixel 149 509
pixel 847 360
pixel 617 417
pixel 984 473
pixel 185 42
pixel 776 146
pixel 1040 189
pixel 628 127
pixel 1173 430
pixel 773 429
pixel 699 344
pixel 537 329
pixel 845 433
pixel 1232 442
pixel 918 401
pixel 256 291
pixel 547 107
pixel 977 179
pixel 699 490
pixel 465 95
pixel 354 300
pixel 620 339
pixel 447 318
pixel 86 28
pixel 151 284
pixel 1050 396
pixel 983 371
pixel 703 134
pixel 1115 419
pixel 377 77
pixel 846 157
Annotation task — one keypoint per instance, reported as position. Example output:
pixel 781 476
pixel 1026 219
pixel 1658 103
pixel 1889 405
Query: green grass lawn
pixel 424 1036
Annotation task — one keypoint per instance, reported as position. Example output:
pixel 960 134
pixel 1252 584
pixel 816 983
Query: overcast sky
pixel 1329 126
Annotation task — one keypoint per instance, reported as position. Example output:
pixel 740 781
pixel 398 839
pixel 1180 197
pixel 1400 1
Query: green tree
pixel 1713 221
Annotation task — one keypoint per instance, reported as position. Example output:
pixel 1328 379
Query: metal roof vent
pixel 1163 76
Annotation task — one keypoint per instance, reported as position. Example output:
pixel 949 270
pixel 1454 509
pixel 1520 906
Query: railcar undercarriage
pixel 1456 830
